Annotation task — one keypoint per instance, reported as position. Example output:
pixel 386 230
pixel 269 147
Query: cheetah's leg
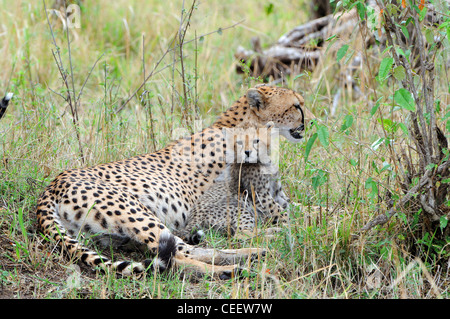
pixel 271 210
pixel 280 196
pixel 192 265
pixel 219 256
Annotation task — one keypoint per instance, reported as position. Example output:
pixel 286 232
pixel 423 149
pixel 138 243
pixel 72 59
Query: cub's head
pixel 251 145
pixel 284 107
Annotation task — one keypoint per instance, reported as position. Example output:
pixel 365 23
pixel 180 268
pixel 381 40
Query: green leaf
pixel 389 125
pixel 299 75
pixel 375 107
pixel 341 52
pixel 330 38
pixel 429 36
pixel 399 73
pixel 385 67
pixel 404 128
pixel 319 179
pixel 448 31
pixel 386 166
pixel 22 225
pixel 422 14
pixel 361 7
pixel 269 8
pixel 402 217
pixel 405 31
pixel 404 99
pixel 309 145
pixel 324 135
pixel 443 221
pixel 348 121
pixel 372 185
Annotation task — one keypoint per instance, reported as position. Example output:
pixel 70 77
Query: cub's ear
pixel 255 98
pixel 270 125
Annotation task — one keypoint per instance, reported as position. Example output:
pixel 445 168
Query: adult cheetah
pixel 141 199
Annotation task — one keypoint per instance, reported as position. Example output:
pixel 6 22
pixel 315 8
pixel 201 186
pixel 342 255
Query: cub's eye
pixel 239 143
pixel 256 141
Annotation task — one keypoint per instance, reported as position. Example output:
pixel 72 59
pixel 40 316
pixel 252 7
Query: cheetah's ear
pixel 255 98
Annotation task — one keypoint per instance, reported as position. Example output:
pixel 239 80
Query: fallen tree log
pixel 299 49
pixel 304 46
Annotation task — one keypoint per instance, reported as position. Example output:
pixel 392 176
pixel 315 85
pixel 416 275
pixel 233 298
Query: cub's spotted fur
pixel 247 190
pixel 141 199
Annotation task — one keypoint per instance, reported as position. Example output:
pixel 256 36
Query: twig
pixel 87 78
pixel 181 35
pixel 424 180
pixel 195 77
pixel 144 82
pixel 145 102
pixel 57 93
pixel 384 218
pixel 75 108
pixel 68 99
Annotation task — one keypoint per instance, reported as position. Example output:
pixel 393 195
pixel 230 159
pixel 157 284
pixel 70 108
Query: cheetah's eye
pixel 256 141
pixel 239 143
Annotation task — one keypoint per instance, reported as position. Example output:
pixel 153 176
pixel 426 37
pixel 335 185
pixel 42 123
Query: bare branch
pixel 87 77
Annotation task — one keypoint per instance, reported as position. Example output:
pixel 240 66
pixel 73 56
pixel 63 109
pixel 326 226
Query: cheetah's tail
pixel 190 235
pixel 4 103
pixel 50 225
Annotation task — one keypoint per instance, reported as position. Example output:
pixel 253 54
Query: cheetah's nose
pixel 247 153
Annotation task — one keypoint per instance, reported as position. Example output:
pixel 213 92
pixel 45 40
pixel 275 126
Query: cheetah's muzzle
pixel 297 133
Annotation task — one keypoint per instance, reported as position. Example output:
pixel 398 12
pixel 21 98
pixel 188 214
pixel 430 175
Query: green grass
pixel 320 254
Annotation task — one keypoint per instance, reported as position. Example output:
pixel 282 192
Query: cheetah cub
pixel 247 191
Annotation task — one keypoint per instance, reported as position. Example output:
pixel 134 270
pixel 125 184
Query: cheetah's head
pixel 284 107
